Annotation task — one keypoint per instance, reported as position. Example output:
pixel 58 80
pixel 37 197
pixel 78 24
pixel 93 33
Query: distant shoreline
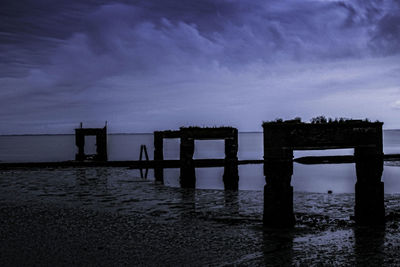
pixel 385 130
pixel 74 134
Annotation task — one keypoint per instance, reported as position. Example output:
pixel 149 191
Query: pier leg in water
pixel 188 172
pixel 278 193
pixel 369 207
pixel 101 145
pixel 80 143
pixel 158 157
pixel 231 173
pixel 188 200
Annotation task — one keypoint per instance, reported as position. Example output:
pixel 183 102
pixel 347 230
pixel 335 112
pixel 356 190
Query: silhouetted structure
pixel 159 151
pixel 143 150
pixel 187 137
pixel 281 138
pixel 101 143
pixel 190 134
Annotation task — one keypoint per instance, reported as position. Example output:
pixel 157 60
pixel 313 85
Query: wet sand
pixel 48 235
pixel 109 217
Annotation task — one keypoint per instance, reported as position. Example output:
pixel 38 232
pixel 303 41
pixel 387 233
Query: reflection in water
pixel 369 245
pixel 188 200
pixel 278 247
pixel 192 201
pixel 95 177
pixel 91 182
pixel 188 175
pixel 231 199
pixel 239 213
pixel 143 174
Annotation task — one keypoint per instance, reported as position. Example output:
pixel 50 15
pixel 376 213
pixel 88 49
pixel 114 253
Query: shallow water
pixel 115 189
pixel 339 178
pixel 324 232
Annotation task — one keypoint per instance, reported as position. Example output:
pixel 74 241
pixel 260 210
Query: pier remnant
pixel 187 137
pixel 159 151
pixel 101 143
pixel 282 137
pixel 228 134
pixel 143 150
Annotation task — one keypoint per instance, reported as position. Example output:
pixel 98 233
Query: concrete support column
pixel 188 173
pixel 231 172
pixel 278 193
pixel 369 205
pixel 80 143
pixel 158 156
pixel 101 142
pixel 101 145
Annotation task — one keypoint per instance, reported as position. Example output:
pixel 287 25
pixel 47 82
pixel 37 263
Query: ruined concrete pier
pixel 159 137
pixel 101 143
pixel 281 138
pixel 187 136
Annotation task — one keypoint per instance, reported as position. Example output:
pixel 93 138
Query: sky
pixel 158 64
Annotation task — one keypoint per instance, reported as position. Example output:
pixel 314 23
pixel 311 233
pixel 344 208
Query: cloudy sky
pixel 159 64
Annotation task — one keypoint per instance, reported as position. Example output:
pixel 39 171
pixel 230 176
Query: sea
pixel 319 178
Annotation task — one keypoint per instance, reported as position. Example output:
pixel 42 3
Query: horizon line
pixel 50 134
pixel 138 133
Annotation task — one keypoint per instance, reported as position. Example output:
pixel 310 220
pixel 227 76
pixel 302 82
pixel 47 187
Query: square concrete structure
pixel 281 138
pixel 187 137
pixel 101 143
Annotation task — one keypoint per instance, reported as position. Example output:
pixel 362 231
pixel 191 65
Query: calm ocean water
pixel 306 178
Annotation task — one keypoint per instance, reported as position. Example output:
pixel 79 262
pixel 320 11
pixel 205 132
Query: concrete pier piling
pixel 282 137
pixel 187 136
pixel 228 134
pixel 159 137
pixel 278 192
pixel 187 177
pixel 231 171
pixel 101 143
pixel 369 204
pixel 158 155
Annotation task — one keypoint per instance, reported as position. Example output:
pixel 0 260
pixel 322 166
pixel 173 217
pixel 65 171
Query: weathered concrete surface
pixel 159 137
pixel 101 143
pixel 307 136
pixel 188 173
pixel 278 193
pixel 187 136
pixel 228 134
pixel 281 138
pixel 231 172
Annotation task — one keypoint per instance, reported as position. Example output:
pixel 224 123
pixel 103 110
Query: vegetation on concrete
pixel 319 120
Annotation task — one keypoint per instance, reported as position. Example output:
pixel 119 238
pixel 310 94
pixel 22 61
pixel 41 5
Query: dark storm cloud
pixel 386 35
pixel 248 30
pixel 183 59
